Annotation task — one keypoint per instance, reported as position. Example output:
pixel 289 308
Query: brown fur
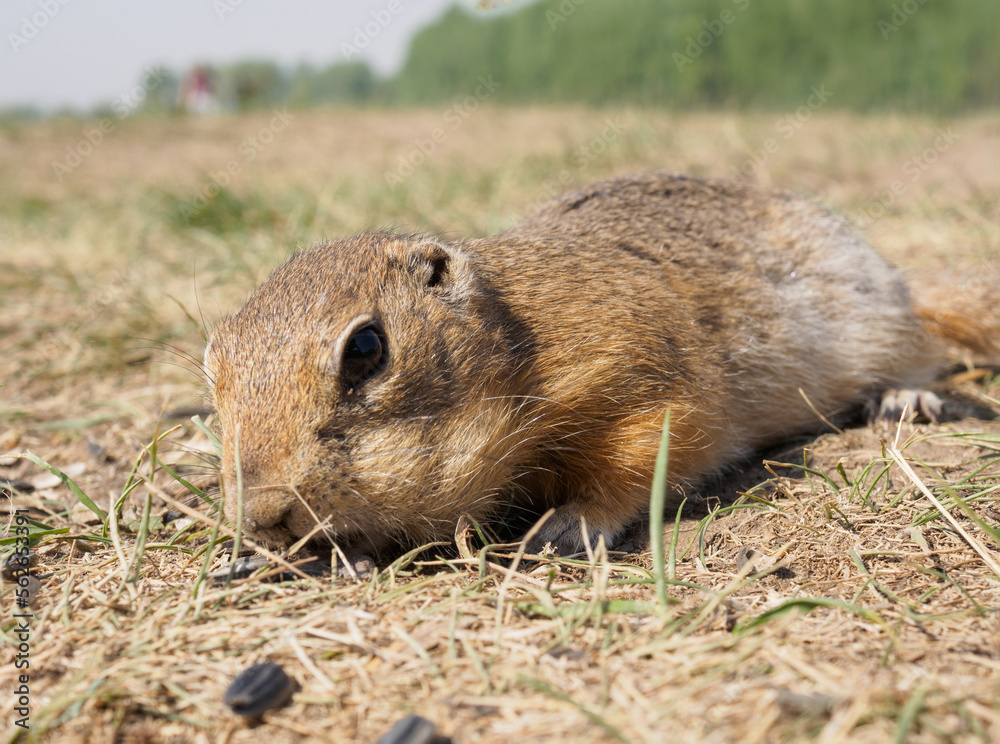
pixel 536 365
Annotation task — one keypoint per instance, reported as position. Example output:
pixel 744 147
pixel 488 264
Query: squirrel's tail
pixel 961 330
pixel 964 311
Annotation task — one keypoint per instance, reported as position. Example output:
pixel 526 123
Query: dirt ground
pixel 869 616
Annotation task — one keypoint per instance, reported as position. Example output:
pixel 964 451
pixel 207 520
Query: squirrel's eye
pixel 364 355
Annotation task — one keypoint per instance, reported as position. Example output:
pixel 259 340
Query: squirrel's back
pixel 749 301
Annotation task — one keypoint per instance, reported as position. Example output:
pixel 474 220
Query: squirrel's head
pixel 364 396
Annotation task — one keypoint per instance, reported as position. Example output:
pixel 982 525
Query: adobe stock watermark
pixel 901 13
pixel 712 31
pixel 94 136
pixel 21 632
pixel 785 128
pixel 364 35
pixel 248 150
pixel 914 168
pixel 565 10
pixel 453 118
pixel 223 8
pixel 32 25
pixel 581 158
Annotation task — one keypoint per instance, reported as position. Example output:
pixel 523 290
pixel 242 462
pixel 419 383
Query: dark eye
pixel 364 355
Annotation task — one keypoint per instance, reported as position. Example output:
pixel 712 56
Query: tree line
pixel 906 54
pixel 937 56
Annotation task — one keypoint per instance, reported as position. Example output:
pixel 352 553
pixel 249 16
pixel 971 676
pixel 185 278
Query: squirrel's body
pixel 384 385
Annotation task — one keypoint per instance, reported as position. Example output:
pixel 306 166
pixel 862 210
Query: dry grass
pixel 872 617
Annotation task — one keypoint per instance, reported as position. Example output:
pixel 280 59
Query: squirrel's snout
pixel 263 508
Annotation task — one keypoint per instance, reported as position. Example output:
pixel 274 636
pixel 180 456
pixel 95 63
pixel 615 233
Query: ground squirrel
pixel 375 389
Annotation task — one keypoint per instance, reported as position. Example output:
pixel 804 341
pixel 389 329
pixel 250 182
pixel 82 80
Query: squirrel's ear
pixel 442 268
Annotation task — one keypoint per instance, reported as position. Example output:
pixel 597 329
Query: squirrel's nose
pixel 263 508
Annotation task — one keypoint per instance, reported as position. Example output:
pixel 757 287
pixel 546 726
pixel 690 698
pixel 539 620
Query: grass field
pixel 876 619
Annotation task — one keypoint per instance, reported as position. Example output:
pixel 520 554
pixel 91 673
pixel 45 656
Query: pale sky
pixel 80 53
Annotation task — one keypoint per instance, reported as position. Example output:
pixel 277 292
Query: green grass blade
pixel 212 436
pixel 77 491
pixel 657 505
pixel 811 603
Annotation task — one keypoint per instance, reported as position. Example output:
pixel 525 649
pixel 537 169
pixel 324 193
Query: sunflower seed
pixel 258 689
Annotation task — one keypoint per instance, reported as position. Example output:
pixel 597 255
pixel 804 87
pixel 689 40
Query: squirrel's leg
pixel 571 523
